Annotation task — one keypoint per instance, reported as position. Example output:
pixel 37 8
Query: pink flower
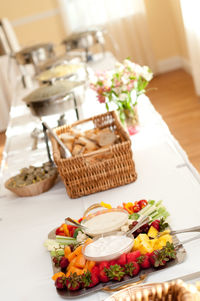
pixel 101 98
pixel 130 86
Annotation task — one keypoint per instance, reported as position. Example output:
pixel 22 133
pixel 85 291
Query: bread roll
pixel 89 145
pixel 106 137
pixel 77 150
pixel 92 134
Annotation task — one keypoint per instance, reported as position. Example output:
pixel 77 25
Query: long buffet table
pixel 164 172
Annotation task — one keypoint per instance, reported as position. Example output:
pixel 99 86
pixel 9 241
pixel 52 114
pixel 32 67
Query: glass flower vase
pixel 131 117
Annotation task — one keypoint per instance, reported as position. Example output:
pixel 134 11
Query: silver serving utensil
pixel 65 151
pixel 174 232
pixel 192 229
pixel 187 240
pixel 70 221
pixel 141 222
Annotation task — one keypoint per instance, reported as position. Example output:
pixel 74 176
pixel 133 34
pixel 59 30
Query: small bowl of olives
pixel 33 180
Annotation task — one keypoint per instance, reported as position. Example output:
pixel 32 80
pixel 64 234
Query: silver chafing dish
pixel 53 99
pixel 62 71
pixel 49 100
pixel 35 54
pixel 57 60
pixel 85 40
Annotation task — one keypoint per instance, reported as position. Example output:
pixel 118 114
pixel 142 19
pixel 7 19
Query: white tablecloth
pixel 164 172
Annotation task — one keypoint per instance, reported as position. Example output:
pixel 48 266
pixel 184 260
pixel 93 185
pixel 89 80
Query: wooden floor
pixel 174 98
pixel 2 142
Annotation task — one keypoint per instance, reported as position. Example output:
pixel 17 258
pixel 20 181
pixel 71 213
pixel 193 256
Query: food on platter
pixel 81 262
pixel 33 180
pixel 59 71
pixel 105 221
pixel 79 142
pixel 52 92
pixel 108 247
pixel 30 175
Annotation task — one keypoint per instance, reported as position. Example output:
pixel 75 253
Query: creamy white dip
pixel 108 245
pixel 106 222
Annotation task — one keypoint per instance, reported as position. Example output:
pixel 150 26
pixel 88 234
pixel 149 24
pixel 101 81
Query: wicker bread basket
pixel 99 170
pixel 168 291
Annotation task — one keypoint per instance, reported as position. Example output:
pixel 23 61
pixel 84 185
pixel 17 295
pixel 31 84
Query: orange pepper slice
pixel 56 275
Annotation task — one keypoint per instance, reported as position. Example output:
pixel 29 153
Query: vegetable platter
pixel 153 248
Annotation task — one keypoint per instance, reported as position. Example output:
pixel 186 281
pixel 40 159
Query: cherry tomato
pixel 142 203
pixel 136 208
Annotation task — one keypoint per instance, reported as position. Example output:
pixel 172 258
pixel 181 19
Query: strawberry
pixel 73 282
pixel 133 256
pixel 156 259
pixel 159 258
pixel 132 268
pixel 95 271
pixel 163 225
pixel 94 280
pixel 89 279
pixel 156 224
pixel 103 275
pixel 143 261
pixel 103 264
pixel 122 260
pixel 86 279
pixel 60 282
pixel 112 262
pixel 115 272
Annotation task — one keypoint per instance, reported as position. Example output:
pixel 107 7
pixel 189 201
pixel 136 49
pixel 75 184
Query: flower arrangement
pixel 122 86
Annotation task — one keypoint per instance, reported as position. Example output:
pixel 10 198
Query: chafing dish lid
pixel 59 71
pixel 57 90
pixel 30 49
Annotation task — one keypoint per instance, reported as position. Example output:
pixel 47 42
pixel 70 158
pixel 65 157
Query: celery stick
pixel 149 210
pixel 64 237
pixel 143 210
pixel 159 215
pixel 158 203
pixel 62 240
pixel 69 242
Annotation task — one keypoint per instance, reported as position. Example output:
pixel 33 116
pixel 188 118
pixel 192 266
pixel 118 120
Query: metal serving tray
pixel 181 255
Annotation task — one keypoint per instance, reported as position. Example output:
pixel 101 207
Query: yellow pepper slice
pixel 108 206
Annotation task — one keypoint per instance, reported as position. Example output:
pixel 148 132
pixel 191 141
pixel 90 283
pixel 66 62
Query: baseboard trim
pixel 173 63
